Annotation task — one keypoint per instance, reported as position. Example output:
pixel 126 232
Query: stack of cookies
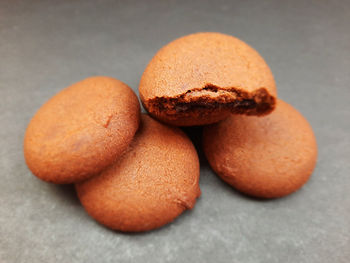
pixel 136 172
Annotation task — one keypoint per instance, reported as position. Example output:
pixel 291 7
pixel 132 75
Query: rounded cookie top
pixel 267 157
pixel 81 130
pixel 151 184
pixel 192 78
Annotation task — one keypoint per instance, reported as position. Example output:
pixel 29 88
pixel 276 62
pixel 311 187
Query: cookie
pixel 81 130
pixel 151 184
pixel 202 78
pixel 267 157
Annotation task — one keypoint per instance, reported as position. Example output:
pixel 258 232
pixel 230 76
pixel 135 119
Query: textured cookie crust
pixel 81 130
pixel 267 157
pixel 153 182
pixel 201 78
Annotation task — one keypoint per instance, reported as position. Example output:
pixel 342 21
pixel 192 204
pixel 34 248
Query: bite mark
pixel 210 98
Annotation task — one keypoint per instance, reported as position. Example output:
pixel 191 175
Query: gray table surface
pixel 47 45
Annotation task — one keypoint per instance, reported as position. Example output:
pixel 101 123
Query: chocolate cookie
pixel 81 130
pixel 267 157
pixel 202 78
pixel 151 184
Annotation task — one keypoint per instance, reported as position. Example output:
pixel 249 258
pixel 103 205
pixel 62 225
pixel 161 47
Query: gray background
pixel 47 45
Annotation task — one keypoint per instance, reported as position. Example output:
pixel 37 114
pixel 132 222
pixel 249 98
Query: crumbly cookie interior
pixel 211 98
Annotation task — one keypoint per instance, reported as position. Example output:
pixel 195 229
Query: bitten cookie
pixel 202 78
pixel 267 157
pixel 81 130
pixel 151 184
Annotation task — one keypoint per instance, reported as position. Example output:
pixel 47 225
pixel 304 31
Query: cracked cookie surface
pixel 81 130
